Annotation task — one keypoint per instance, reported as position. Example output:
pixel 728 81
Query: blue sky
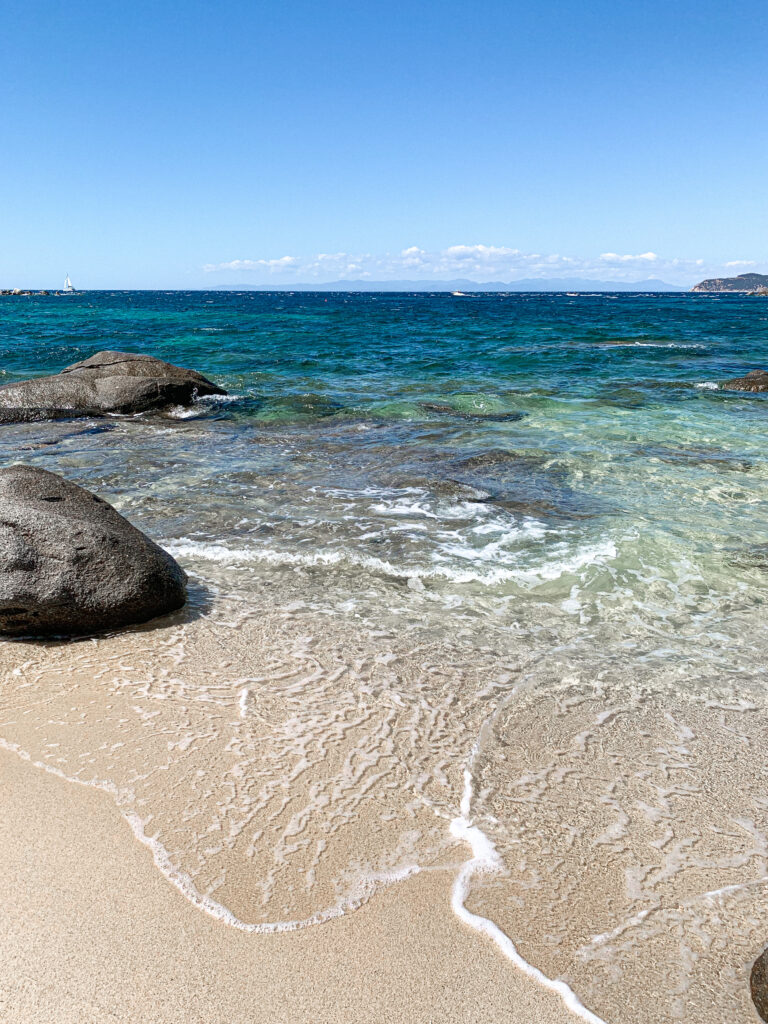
pixel 190 145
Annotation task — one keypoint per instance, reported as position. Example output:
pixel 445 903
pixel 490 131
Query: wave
pixel 484 860
pixel 589 554
pixel 201 405
pixel 677 345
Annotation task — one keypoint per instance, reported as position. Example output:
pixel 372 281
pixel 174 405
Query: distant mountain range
pixel 562 284
pixel 742 283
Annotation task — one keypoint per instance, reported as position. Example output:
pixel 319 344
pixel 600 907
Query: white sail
pixel 68 286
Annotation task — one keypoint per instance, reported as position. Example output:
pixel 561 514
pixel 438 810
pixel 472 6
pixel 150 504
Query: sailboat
pixel 69 288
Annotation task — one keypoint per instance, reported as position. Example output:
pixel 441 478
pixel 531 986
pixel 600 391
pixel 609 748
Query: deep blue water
pixel 368 347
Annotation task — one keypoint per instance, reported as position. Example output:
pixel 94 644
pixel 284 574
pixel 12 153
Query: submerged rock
pixel 526 484
pixel 71 564
pixel 494 417
pixel 108 382
pixel 758 983
pixel 756 380
pixel 695 455
pixel 301 408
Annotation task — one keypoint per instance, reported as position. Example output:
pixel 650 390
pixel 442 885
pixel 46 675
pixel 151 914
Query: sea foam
pixel 486 860
pixel 457 563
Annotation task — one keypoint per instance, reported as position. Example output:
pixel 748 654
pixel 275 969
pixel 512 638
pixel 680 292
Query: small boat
pixel 69 288
pixel 463 294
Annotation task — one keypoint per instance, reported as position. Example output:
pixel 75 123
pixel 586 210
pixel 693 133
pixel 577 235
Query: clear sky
pixel 188 145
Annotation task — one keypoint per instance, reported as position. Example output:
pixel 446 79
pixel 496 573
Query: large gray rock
pixel 756 380
pixel 758 983
pixel 71 564
pixel 109 382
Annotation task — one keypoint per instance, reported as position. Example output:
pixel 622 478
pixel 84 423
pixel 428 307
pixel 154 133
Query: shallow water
pixel 521 535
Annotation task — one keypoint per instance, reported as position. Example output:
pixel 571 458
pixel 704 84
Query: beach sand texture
pixel 92 932
pixel 330 807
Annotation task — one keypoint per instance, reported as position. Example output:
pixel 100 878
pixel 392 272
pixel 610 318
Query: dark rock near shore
pixel 108 382
pixel 70 564
pixel 756 380
pixel 758 983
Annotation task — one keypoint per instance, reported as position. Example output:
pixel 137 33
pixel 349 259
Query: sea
pixel 477 584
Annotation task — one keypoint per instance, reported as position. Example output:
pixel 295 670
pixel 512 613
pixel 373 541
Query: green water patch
pixel 473 407
pixel 298 408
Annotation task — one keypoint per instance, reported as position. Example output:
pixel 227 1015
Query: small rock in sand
pixel 759 984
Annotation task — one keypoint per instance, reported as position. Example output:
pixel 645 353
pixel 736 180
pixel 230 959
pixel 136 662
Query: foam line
pixel 185 885
pixel 243 702
pixel 492 575
pixel 486 860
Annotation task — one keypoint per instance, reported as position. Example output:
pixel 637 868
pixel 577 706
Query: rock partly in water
pixel 70 564
pixel 759 984
pixel 108 382
pixel 756 380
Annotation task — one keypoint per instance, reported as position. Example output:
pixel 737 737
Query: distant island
pixel 749 283
pixel 537 284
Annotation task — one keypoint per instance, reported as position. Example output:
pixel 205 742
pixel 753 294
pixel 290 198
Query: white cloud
pixel 476 262
pixel 613 257
pixel 478 252
pixel 282 263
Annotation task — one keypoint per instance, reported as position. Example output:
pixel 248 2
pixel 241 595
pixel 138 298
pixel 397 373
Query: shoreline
pixel 80 891
pixel 483 859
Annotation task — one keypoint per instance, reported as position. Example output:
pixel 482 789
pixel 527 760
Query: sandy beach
pixel 92 932
pixel 149 796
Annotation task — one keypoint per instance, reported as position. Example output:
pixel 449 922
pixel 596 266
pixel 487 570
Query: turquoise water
pixel 512 426
pixel 518 535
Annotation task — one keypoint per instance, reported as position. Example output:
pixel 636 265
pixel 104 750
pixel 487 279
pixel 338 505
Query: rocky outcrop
pixel 742 283
pixel 756 380
pixel 26 291
pixel 70 564
pixel 108 382
pixel 759 984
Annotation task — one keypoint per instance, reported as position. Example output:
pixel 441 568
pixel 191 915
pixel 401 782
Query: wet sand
pixel 280 778
pixel 92 932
